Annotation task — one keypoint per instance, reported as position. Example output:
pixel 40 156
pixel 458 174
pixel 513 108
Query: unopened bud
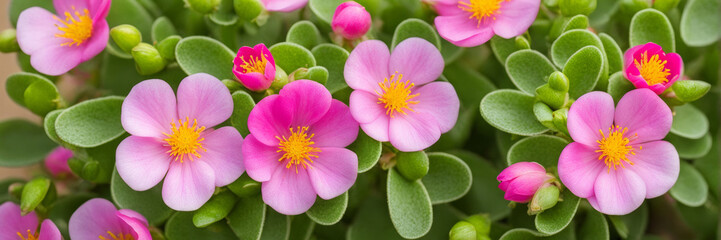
pixel 558 81
pixel 575 7
pixel 545 198
pixel 248 10
pixel 351 20
pixel 166 47
pixel 412 165
pixel 560 117
pixel 522 43
pixel 126 37
pixel 8 41
pixel 203 6
pixel 147 59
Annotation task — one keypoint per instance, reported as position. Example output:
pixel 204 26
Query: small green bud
pixel 166 47
pixel 522 43
pixel 544 114
pixel 215 209
pixel 462 231
pixel 90 170
pixel 147 59
pixel 248 10
pixel 317 73
pixel 203 6
pixel 33 194
pixel 482 224
pixel 690 90
pixel 412 165
pixel 575 7
pixel 555 99
pixel 665 5
pixel 558 81
pixel 126 37
pixel 560 117
pixel 545 198
pixel 630 7
pixel 281 79
pixel 76 165
pixel 244 186
pixel 8 41
pixel 232 85
pixel 550 3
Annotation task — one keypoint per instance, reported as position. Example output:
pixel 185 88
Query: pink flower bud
pixel 254 67
pixel 521 180
pixel 351 20
pixel 57 162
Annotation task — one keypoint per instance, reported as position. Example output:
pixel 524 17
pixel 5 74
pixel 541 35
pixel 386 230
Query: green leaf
pixel 570 42
pixel 559 217
pixel 444 217
pixel 162 28
pixel 526 234
pixel 583 70
pixel 543 149
pixel 318 74
pixel 701 22
pixel 33 193
pixel 22 143
pixel 180 227
pixel 242 105
pixel 634 223
pixel 328 212
pixel 690 90
pixel 372 222
pixel 247 218
pixel 469 84
pixel 34 92
pixel 691 148
pixel 409 205
pixel 689 122
pixel 450 52
pixel 528 70
pixel 149 203
pixel 199 54
pixel 301 228
pixel 225 15
pixel 594 227
pixel 511 111
pixel 690 188
pixel 618 86
pixel 18 6
pixel 91 123
pixel 708 166
pixel 484 195
pixel 324 9
pixel 613 53
pixel 448 179
pixel 651 25
pixel 215 209
pixel 304 33
pixel 502 48
pixel 368 151
pixel 333 58
pixel 290 56
pixel 276 226
pixel 415 28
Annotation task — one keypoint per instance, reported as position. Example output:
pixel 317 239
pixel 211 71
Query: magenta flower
pixel 648 66
pixel 521 180
pixel 296 147
pixel 99 219
pixel 469 23
pixel 351 20
pixel 177 138
pixel 57 162
pixel 13 225
pixel 395 98
pixel 283 5
pixel 57 44
pixel 618 157
pixel 254 67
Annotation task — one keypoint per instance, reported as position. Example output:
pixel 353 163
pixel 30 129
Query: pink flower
pixel 177 138
pixel 648 66
pixel 283 5
pixel 254 67
pixel 521 180
pixel 469 23
pixel 13 225
pixel 99 219
pixel 618 157
pixel 57 162
pixel 351 20
pixel 296 147
pixel 395 98
pixel 57 44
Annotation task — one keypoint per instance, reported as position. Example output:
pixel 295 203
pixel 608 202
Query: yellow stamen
pixel 185 140
pixel 615 147
pixel 297 148
pixel 652 70
pixel 30 235
pixel 254 64
pixel 482 10
pixel 396 95
pixel 120 236
pixel 76 29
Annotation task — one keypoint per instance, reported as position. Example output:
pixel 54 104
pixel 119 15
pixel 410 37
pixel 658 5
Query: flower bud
pixel 555 99
pixel 248 10
pixel 482 224
pixel 558 81
pixel 522 43
pixel 255 67
pixel 126 37
pixel 203 6
pixel 575 7
pixel 351 20
pixel 546 197
pixel 476 227
pixel 412 165
pixel 521 180
pixel 281 79
pixel 560 117
pixel 544 114
pixel 57 162
pixel 8 41
pixel 462 231
pixel 91 170
pixel 166 47
pixel 33 193
pixel 147 59
pixel 665 5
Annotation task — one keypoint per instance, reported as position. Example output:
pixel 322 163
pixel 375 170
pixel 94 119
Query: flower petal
pixel 378 129
pixel 284 5
pixel 142 162
pixel 413 132
pixel 578 168
pixel 463 32
pixel 97 42
pixel 440 100
pixel 95 218
pixel 337 128
pixel 646 116
pixel 268 120
pixel 260 160
pixel 224 154
pixel 515 17
pixel 417 60
pixel 364 106
pixel 132 214
pixel 618 192
pixel 49 231
pixel 99 9
pixel 522 188
pixel 203 97
pixel 36 30
pixel 307 101
pixel 188 185
pixel 149 109
pixel 138 227
pixel 367 65
pixel 446 7
pixel 590 113
pixel 11 222
pixel 56 60
pixel 519 169
pixel 289 192
pixel 657 164
pixel 333 172
pixel 70 6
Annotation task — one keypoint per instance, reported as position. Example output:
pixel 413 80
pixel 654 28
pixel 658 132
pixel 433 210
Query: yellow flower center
pixel 615 147
pixel 253 64
pixel 396 95
pixel 482 10
pixel 76 28
pixel 120 236
pixel 28 236
pixel 298 148
pixel 652 70
pixel 184 141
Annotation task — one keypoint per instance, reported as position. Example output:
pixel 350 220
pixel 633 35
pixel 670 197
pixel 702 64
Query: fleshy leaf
pixel 559 217
pixel 199 54
pixel 651 25
pixel 91 123
pixel 291 56
pixel 691 148
pixel 22 143
pixel 570 42
pixel 543 149
pixel 409 205
pixel 583 69
pixel 162 28
pixel 304 33
pixel 448 178
pixel 333 58
pixel 248 217
pixel 368 151
pixel 594 227
pixel 511 111
pixel 149 203
pixel 33 91
pixel 701 22
pixel 690 188
pixel 689 122
pixel 328 212
pixel 180 227
pixel 528 70
pixel 415 28
pixel 690 90
pixel 484 195
pixel 618 86
pixel 242 105
pixel 614 54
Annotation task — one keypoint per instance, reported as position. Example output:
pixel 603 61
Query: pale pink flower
pixel 13 225
pixel 99 219
pixel 283 5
